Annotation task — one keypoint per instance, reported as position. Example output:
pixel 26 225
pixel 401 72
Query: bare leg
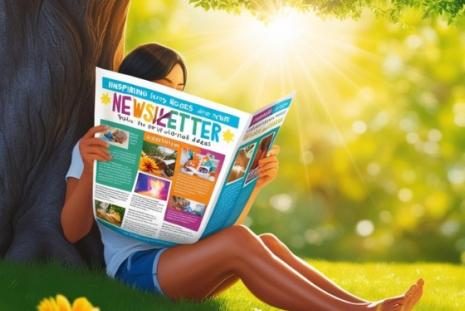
pixel 227 283
pixel 309 272
pixel 282 251
pixel 237 251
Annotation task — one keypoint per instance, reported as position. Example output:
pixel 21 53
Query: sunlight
pixel 289 35
pixel 288 50
pixel 280 32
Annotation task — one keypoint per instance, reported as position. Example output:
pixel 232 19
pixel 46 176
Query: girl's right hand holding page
pixel 93 148
pixel 76 214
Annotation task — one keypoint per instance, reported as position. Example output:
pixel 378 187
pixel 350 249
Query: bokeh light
pixel 372 162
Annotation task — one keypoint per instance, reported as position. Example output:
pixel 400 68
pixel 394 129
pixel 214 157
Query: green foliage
pixel 339 8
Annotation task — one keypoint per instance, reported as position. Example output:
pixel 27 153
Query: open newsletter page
pixel 173 156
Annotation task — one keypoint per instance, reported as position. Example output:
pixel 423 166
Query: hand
pixel 92 148
pixel 268 168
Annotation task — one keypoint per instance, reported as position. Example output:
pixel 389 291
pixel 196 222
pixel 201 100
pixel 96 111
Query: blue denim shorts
pixel 139 270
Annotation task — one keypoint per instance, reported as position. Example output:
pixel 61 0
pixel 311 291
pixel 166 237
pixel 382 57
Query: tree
pixel 339 8
pixel 48 53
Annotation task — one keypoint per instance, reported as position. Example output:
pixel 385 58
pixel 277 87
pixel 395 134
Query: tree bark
pixel 48 53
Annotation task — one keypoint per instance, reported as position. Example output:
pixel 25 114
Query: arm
pixel 267 172
pixel 76 215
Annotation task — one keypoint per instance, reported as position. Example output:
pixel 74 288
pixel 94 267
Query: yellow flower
pixel 148 165
pixel 61 303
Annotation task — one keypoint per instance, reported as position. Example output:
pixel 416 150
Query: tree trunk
pixel 48 53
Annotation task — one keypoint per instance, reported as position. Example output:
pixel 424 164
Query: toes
pixel 411 290
pixel 417 296
pixel 418 293
pixel 409 299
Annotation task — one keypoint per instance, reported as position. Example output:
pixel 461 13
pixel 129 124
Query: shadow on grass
pixel 24 285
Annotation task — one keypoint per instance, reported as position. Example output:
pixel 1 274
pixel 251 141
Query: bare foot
pixel 404 302
pixel 413 295
pixel 390 304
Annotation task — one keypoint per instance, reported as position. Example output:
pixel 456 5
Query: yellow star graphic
pixel 228 136
pixel 105 99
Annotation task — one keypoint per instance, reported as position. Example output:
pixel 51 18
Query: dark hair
pixel 152 62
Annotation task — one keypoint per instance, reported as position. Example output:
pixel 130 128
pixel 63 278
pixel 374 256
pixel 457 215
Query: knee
pixel 240 234
pixel 269 238
pixel 242 238
pixel 272 241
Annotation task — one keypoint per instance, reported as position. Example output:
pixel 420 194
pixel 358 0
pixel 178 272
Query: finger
pixel 92 131
pixel 95 142
pixel 264 181
pixel 263 177
pixel 95 151
pixel 268 166
pixel 93 157
pixel 268 159
pixel 95 148
pixel 270 172
pixel 274 150
pixel 268 163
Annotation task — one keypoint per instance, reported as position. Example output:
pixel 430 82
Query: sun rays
pixel 239 57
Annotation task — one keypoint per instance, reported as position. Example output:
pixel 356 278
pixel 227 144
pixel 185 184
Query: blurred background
pixel 372 163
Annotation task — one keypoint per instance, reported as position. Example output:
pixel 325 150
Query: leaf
pixel 340 8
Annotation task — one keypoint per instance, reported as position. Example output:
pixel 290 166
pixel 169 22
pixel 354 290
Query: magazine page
pixel 243 172
pixel 170 153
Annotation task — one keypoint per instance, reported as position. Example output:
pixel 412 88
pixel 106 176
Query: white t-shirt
pixel 116 246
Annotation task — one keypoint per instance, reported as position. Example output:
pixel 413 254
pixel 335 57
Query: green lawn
pixel 22 286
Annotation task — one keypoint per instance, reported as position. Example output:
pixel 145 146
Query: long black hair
pixel 152 62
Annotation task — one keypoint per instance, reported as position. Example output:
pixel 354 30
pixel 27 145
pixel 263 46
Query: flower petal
pixel 82 304
pixel 47 304
pixel 44 305
pixel 63 303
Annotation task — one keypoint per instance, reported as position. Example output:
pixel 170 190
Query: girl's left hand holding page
pixel 268 168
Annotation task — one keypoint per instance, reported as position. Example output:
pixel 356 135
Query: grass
pixel 22 286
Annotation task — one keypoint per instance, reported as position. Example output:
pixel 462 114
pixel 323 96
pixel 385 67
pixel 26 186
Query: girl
pixel 265 265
